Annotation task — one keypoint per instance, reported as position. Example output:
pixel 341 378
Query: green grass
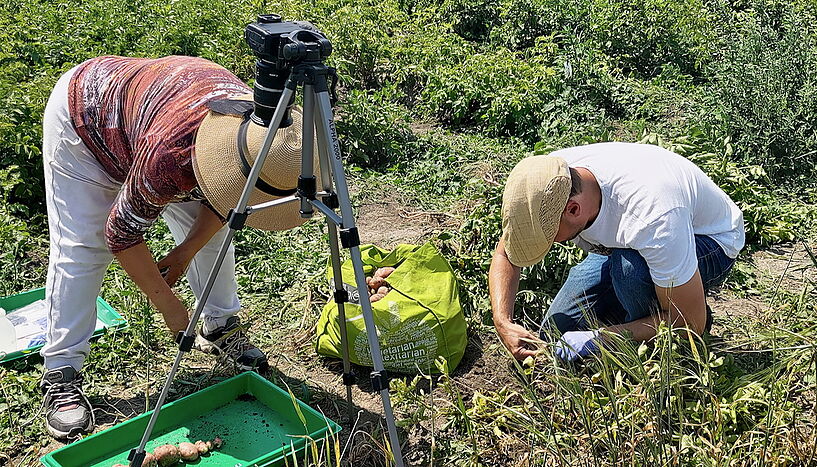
pixel 438 101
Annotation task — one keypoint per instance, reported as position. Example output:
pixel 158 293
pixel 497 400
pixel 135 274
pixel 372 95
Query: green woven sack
pixel 419 320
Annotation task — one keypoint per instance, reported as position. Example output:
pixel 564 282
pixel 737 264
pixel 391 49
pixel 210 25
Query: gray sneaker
pixel 68 413
pixel 232 340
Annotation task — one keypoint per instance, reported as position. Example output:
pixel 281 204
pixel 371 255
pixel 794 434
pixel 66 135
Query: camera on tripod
pixel 290 56
pixel 280 46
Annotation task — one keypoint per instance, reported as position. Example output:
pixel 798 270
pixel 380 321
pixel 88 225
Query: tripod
pixel 317 115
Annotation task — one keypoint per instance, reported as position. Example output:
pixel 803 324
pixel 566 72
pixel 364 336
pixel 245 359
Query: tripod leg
pixel 341 296
pixel 306 181
pixel 351 240
pixel 235 221
pixel 185 341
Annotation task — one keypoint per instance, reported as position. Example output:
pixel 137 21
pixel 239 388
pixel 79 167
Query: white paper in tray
pixel 30 324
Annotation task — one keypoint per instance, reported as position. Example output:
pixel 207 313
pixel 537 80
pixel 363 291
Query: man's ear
pixel 572 208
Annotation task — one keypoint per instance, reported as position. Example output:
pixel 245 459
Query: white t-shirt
pixel 654 201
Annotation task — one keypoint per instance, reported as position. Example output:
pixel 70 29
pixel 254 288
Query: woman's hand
pixel 175 264
pixel 138 263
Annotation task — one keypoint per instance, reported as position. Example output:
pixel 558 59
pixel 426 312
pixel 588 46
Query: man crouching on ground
pixel 658 232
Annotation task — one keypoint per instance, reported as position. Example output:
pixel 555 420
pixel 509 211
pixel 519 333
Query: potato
pixel 375 297
pixel 214 444
pixel 383 272
pixel 377 282
pixel 202 447
pixel 383 290
pixel 150 460
pixel 188 451
pixel 167 454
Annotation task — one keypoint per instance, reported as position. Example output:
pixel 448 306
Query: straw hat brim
pixel 218 168
pixel 534 198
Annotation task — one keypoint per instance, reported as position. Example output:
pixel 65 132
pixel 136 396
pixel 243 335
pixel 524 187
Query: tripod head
pixel 279 46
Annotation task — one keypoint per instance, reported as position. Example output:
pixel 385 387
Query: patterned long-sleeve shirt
pixel 139 118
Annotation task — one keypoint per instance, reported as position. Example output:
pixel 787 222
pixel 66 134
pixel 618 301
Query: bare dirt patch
pixel 784 267
pixel 390 222
pixel 725 306
pixel 423 128
pixel 789 264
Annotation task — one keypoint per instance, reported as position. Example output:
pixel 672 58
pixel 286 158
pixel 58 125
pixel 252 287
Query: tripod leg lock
pixel 380 380
pixel 307 187
pixel 185 342
pixel 331 201
pixel 349 379
pixel 349 238
pixel 236 220
pixel 136 458
pixel 341 296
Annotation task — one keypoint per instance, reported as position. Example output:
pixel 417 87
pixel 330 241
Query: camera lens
pixel 267 90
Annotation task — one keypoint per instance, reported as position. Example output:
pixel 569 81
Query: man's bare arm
pixel 684 305
pixel 503 283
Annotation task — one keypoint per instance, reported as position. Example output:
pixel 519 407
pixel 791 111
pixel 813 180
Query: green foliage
pixel 21 246
pixel 473 20
pixel 763 94
pixel 373 129
pixel 641 36
pixel 674 398
pixel 503 92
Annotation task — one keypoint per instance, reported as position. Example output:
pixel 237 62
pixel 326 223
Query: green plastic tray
pixel 104 311
pixel 258 421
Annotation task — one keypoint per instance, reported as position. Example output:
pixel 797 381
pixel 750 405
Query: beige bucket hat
pixel 220 171
pixel 532 204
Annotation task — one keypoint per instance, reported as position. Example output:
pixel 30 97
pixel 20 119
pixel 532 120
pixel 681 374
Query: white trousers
pixel 79 195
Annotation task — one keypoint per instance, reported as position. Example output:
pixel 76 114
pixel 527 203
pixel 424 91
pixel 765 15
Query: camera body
pixel 286 42
pixel 279 46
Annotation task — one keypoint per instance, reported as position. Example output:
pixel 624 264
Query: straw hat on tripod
pixel 227 144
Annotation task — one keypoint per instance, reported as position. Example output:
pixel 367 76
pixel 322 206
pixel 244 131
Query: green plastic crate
pixel 109 317
pixel 259 422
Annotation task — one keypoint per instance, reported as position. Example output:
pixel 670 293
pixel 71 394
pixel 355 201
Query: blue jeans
pixel 618 288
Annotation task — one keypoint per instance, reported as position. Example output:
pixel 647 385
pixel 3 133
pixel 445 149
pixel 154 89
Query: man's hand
pixel 175 264
pixel 518 340
pixel 577 344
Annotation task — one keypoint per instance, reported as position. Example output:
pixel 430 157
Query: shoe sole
pixel 72 433
pixel 208 347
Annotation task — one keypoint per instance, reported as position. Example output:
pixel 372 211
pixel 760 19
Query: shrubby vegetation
pixel 728 83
